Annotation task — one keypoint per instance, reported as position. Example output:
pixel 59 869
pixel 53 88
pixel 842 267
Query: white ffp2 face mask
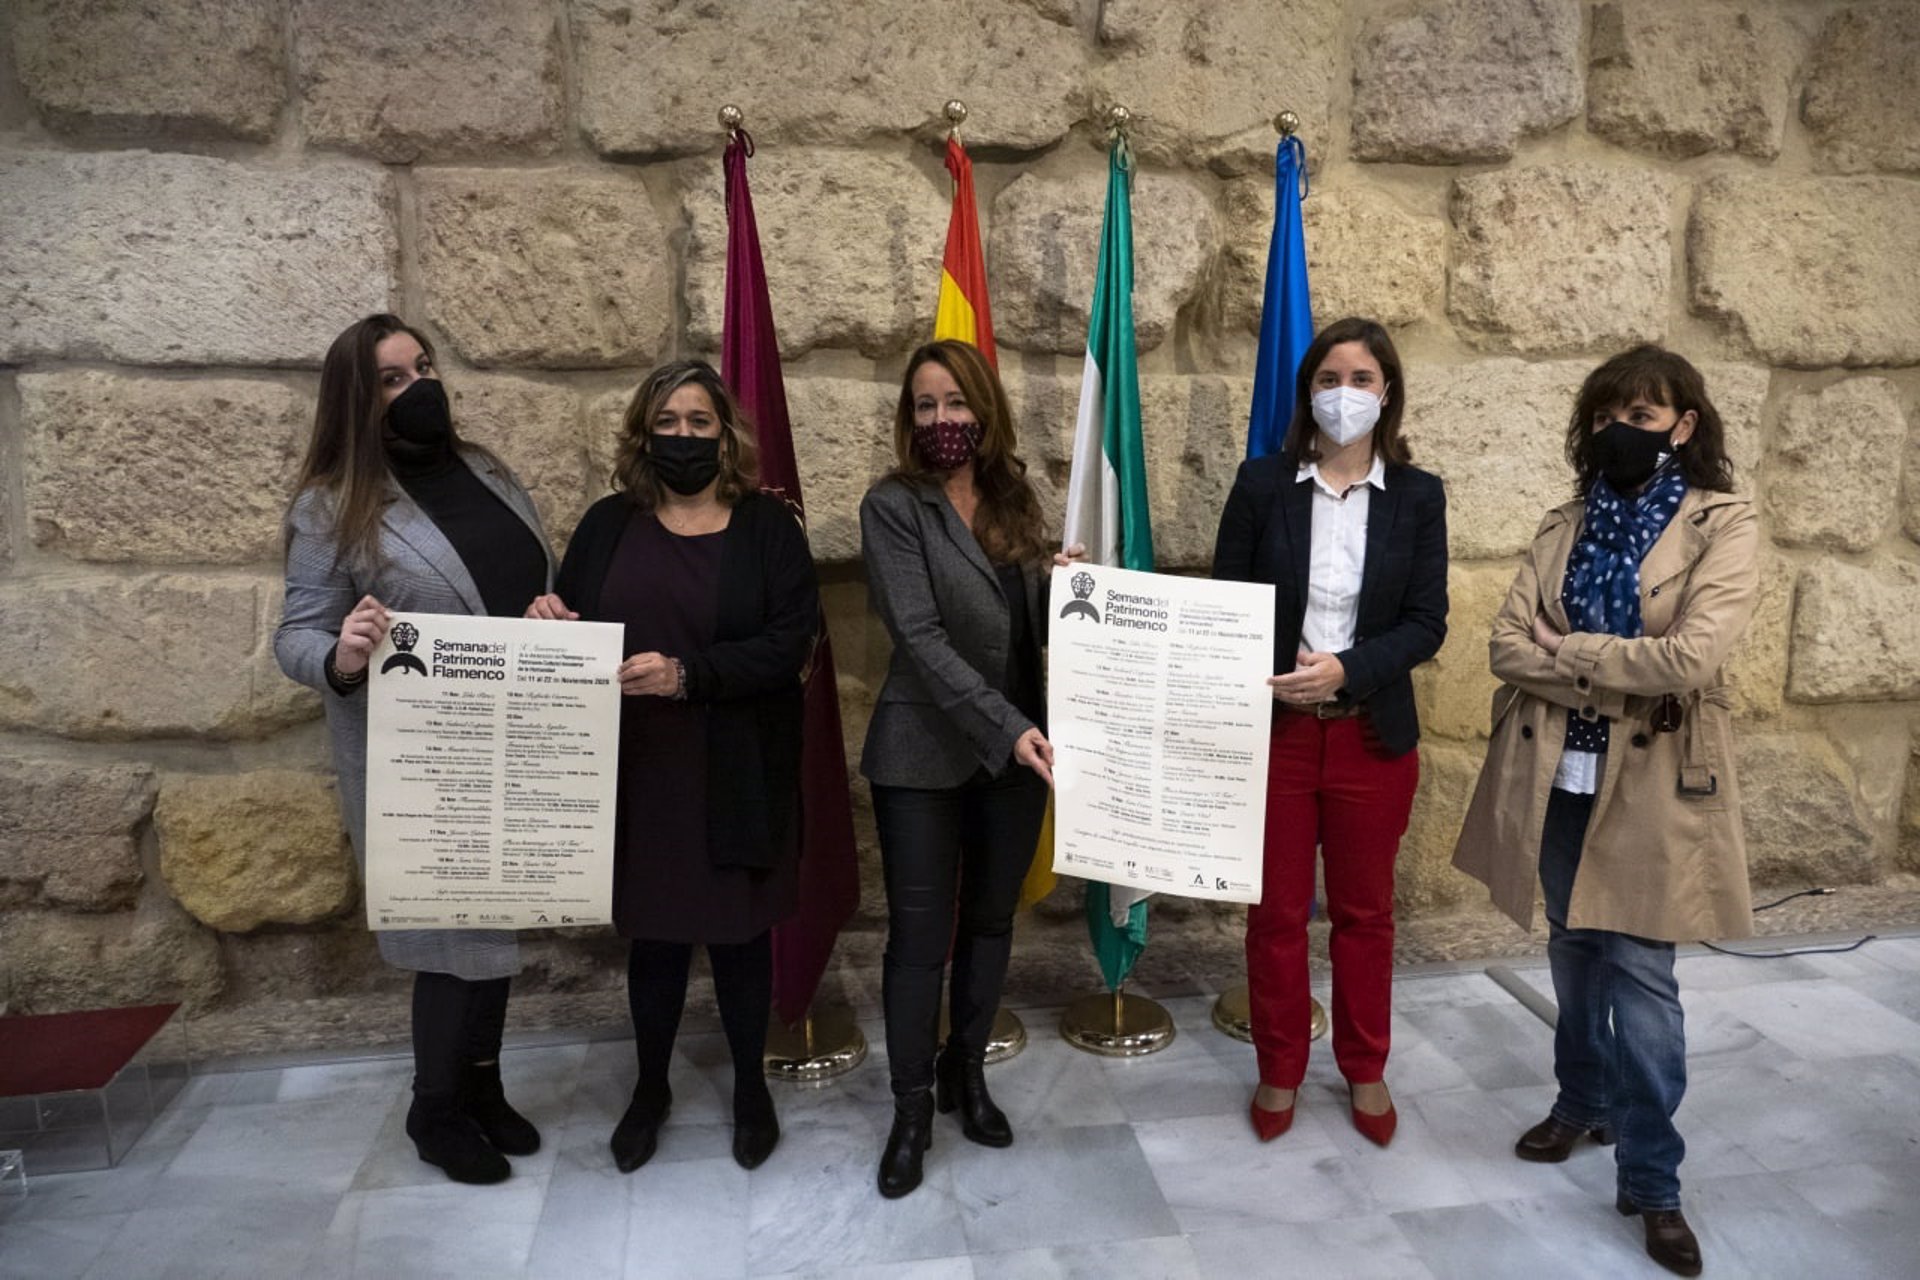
pixel 1345 414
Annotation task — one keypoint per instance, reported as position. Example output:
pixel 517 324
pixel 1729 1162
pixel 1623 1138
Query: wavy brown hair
pixel 633 472
pixel 347 454
pixel 1008 523
pixel 1657 375
pixel 1299 447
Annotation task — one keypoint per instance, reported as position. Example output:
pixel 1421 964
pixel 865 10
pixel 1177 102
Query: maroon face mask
pixel 944 445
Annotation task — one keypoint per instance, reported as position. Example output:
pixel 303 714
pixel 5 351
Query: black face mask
pixel 685 464
pixel 1628 456
pixel 419 417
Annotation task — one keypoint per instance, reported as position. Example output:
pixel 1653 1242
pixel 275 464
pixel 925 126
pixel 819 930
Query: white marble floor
pixel 1802 1124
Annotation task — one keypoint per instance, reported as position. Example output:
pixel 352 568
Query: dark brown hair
pixel 1299 448
pixel 633 472
pixel 1654 374
pixel 1008 524
pixel 347 456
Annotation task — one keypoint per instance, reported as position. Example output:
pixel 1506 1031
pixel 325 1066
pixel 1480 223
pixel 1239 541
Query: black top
pixel 766 615
pixel 664 590
pixel 506 561
pixel 1266 532
pixel 1023 674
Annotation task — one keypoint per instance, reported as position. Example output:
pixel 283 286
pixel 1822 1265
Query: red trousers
pixel 1327 784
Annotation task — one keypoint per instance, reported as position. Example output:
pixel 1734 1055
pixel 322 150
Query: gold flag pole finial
pixel 1287 124
pixel 956 114
pixel 731 118
pixel 1119 119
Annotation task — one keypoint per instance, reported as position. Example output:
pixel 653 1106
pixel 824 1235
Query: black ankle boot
pixel 447 1137
pixel 962 1082
pixel 638 1133
pixel 907 1144
pixel 483 1099
pixel 756 1129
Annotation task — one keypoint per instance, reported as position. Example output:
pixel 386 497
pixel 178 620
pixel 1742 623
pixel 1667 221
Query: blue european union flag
pixel 1286 317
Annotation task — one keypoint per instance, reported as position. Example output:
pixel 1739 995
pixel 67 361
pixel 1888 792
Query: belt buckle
pixel 1329 710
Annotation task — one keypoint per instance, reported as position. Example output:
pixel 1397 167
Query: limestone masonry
pixel 195 197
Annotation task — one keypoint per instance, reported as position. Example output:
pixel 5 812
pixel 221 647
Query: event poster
pixel 491 753
pixel 1159 714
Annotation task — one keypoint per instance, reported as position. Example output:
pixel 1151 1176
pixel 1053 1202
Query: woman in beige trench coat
pixel 1609 778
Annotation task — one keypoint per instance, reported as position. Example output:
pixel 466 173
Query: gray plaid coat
pixel 421 573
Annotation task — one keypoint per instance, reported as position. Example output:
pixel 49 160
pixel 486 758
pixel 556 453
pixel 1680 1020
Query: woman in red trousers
pixel 1354 540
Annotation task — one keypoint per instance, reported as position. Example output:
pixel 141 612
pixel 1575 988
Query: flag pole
pixel 1008 1035
pixel 1114 1023
pixel 1233 1011
pixel 824 1043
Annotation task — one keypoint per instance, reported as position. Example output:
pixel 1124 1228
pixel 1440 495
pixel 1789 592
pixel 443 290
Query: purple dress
pixel 664 589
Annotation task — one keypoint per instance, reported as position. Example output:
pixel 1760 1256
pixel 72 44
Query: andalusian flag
pixel 1107 498
pixel 963 313
pixel 1286 314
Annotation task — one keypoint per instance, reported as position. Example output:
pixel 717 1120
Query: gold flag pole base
pixel 1233 1014
pixel 1116 1025
pixel 828 1044
pixel 1006 1040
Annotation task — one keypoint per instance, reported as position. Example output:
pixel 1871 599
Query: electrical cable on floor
pixel 1798 951
pixel 1801 951
pixel 1804 893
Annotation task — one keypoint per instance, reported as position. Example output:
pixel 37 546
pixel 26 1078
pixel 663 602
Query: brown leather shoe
pixel 1670 1241
pixel 1551 1141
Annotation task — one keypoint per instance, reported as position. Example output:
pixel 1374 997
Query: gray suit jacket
pixel 943 713
pixel 420 573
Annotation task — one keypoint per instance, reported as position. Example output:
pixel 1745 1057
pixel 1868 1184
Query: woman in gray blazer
pixel 393 511
pixel 956 560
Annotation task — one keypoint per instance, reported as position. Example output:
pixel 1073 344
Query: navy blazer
pixel 1266 532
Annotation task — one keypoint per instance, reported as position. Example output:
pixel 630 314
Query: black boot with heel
pixel 484 1101
pixel 900 1163
pixel 961 1082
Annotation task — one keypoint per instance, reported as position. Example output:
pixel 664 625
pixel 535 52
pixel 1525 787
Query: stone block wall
pixel 196 197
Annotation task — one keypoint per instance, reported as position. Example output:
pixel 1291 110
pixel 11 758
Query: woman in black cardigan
pixel 715 586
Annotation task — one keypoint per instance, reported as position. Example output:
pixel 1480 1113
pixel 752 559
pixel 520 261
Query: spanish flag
pixel 963 312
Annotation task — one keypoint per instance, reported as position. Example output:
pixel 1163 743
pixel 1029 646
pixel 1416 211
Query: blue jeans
pixel 1619 1044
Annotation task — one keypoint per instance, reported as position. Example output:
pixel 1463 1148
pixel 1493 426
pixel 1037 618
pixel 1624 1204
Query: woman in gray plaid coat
pixel 393 511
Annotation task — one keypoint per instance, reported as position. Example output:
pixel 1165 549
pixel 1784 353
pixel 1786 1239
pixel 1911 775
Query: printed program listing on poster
pixel 491 749
pixel 1160 715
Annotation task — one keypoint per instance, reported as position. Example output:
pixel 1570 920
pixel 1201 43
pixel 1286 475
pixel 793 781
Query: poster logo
pixel 1082 585
pixel 404 635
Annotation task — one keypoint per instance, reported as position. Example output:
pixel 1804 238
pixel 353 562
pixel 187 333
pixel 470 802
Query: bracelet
pixel 342 684
pixel 679 693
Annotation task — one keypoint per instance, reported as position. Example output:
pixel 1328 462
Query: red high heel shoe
pixel 1377 1129
pixel 1270 1124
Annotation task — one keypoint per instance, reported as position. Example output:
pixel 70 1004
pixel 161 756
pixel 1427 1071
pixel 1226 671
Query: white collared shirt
pixel 1337 558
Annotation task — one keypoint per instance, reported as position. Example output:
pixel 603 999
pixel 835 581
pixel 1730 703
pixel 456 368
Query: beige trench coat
pixel 1664 857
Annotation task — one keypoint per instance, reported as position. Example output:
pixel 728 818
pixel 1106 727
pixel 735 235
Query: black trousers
pixel 456 1023
pixel 957 850
pixel 657 993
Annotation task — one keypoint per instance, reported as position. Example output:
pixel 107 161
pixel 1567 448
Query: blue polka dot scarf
pixel 1602 592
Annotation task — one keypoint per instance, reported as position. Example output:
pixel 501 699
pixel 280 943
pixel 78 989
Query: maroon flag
pixel 829 864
